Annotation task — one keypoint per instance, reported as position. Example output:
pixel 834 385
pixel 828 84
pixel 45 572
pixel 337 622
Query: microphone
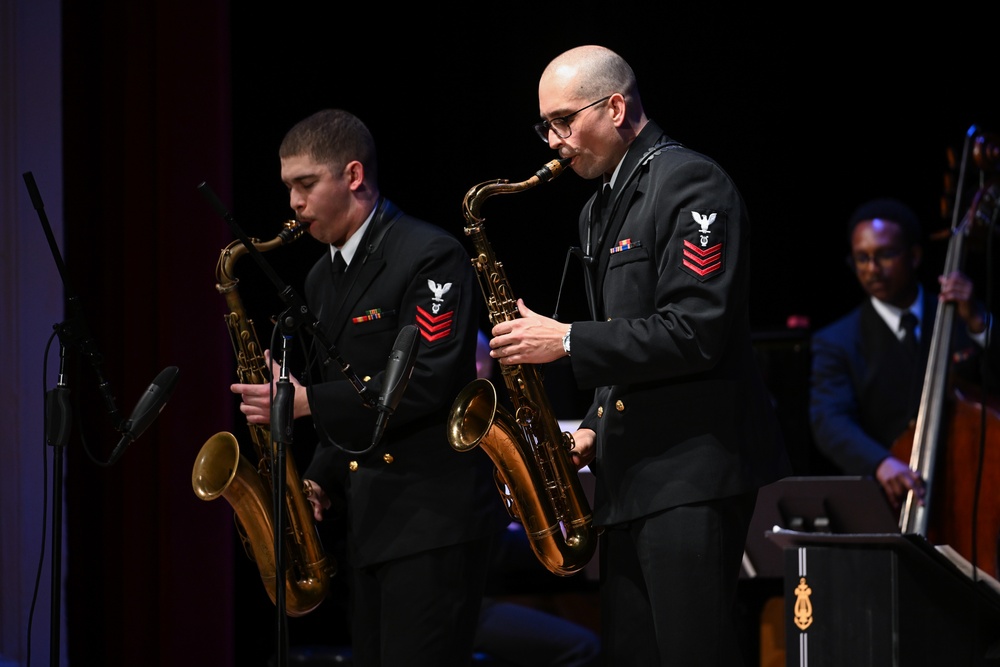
pixel 146 409
pixel 397 374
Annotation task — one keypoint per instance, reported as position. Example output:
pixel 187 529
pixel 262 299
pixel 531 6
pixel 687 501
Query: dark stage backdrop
pixel 146 118
pixel 809 122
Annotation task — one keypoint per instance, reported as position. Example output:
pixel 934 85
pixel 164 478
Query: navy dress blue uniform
pixel 686 433
pixel 420 517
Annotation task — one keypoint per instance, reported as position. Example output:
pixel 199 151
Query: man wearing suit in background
pixel 866 381
pixel 681 433
pixel 420 517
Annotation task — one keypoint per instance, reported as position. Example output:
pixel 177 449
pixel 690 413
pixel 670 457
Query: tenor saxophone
pixel 534 473
pixel 220 469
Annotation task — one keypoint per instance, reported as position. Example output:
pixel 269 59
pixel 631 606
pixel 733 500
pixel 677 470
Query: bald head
pixel 591 72
pixel 589 103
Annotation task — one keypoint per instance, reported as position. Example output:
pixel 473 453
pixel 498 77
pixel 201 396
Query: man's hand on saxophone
pixel 256 405
pixel 583 451
pixel 529 339
pixel 256 398
pixel 317 498
pixel 536 339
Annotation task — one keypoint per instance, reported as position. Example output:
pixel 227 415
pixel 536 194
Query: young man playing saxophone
pixel 420 517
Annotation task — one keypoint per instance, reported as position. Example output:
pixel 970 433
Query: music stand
pixel 821 505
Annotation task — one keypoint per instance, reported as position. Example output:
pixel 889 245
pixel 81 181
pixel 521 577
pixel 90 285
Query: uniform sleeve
pixel 833 412
pixel 445 307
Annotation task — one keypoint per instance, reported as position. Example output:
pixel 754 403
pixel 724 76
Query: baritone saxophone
pixel 220 469
pixel 534 472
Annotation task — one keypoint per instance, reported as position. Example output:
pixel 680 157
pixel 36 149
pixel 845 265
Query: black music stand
pixel 837 504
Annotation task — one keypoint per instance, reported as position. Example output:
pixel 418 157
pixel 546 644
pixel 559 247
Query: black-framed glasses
pixel 561 125
pixel 881 257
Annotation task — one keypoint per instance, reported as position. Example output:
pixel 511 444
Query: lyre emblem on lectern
pixel 803 605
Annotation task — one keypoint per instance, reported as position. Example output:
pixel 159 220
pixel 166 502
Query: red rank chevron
pixel 702 261
pixel 434 327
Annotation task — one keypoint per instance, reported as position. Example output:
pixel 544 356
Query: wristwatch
pixel 566 339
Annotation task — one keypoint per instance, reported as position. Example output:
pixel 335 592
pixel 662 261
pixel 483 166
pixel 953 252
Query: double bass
pixel 954 443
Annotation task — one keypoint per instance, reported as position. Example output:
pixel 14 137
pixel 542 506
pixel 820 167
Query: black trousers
pixel 669 585
pixel 421 610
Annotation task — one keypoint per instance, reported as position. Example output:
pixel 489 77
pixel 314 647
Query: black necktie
pixel 605 200
pixel 338 270
pixel 602 209
pixel 908 323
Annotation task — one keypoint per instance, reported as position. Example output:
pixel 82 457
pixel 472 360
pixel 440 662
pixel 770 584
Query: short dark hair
pixel 888 208
pixel 332 137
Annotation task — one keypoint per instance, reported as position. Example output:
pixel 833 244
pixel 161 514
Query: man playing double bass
pixel 866 380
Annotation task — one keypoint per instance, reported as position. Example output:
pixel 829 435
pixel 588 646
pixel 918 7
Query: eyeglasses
pixel 561 125
pixel 881 257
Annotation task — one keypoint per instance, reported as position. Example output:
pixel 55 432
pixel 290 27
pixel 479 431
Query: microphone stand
pixel 282 417
pixel 57 423
pixel 72 332
pixel 296 317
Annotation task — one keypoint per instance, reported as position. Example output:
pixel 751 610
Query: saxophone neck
pixel 478 194
pixel 225 277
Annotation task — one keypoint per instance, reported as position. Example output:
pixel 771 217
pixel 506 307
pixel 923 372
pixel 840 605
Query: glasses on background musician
pixel 420 518
pixel 681 433
pixel 865 384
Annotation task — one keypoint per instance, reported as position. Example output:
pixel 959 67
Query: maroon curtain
pixel 146 119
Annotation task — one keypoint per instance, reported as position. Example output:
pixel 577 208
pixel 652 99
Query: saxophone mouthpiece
pixel 553 168
pixel 292 230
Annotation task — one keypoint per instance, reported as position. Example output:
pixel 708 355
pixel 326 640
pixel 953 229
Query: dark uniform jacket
pixel 412 492
pixel 681 412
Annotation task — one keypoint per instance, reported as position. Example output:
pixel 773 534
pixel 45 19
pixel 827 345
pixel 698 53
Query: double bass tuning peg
pixel 985 205
pixel 986 151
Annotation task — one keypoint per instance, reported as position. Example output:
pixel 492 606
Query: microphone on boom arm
pixel 150 405
pixel 397 375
